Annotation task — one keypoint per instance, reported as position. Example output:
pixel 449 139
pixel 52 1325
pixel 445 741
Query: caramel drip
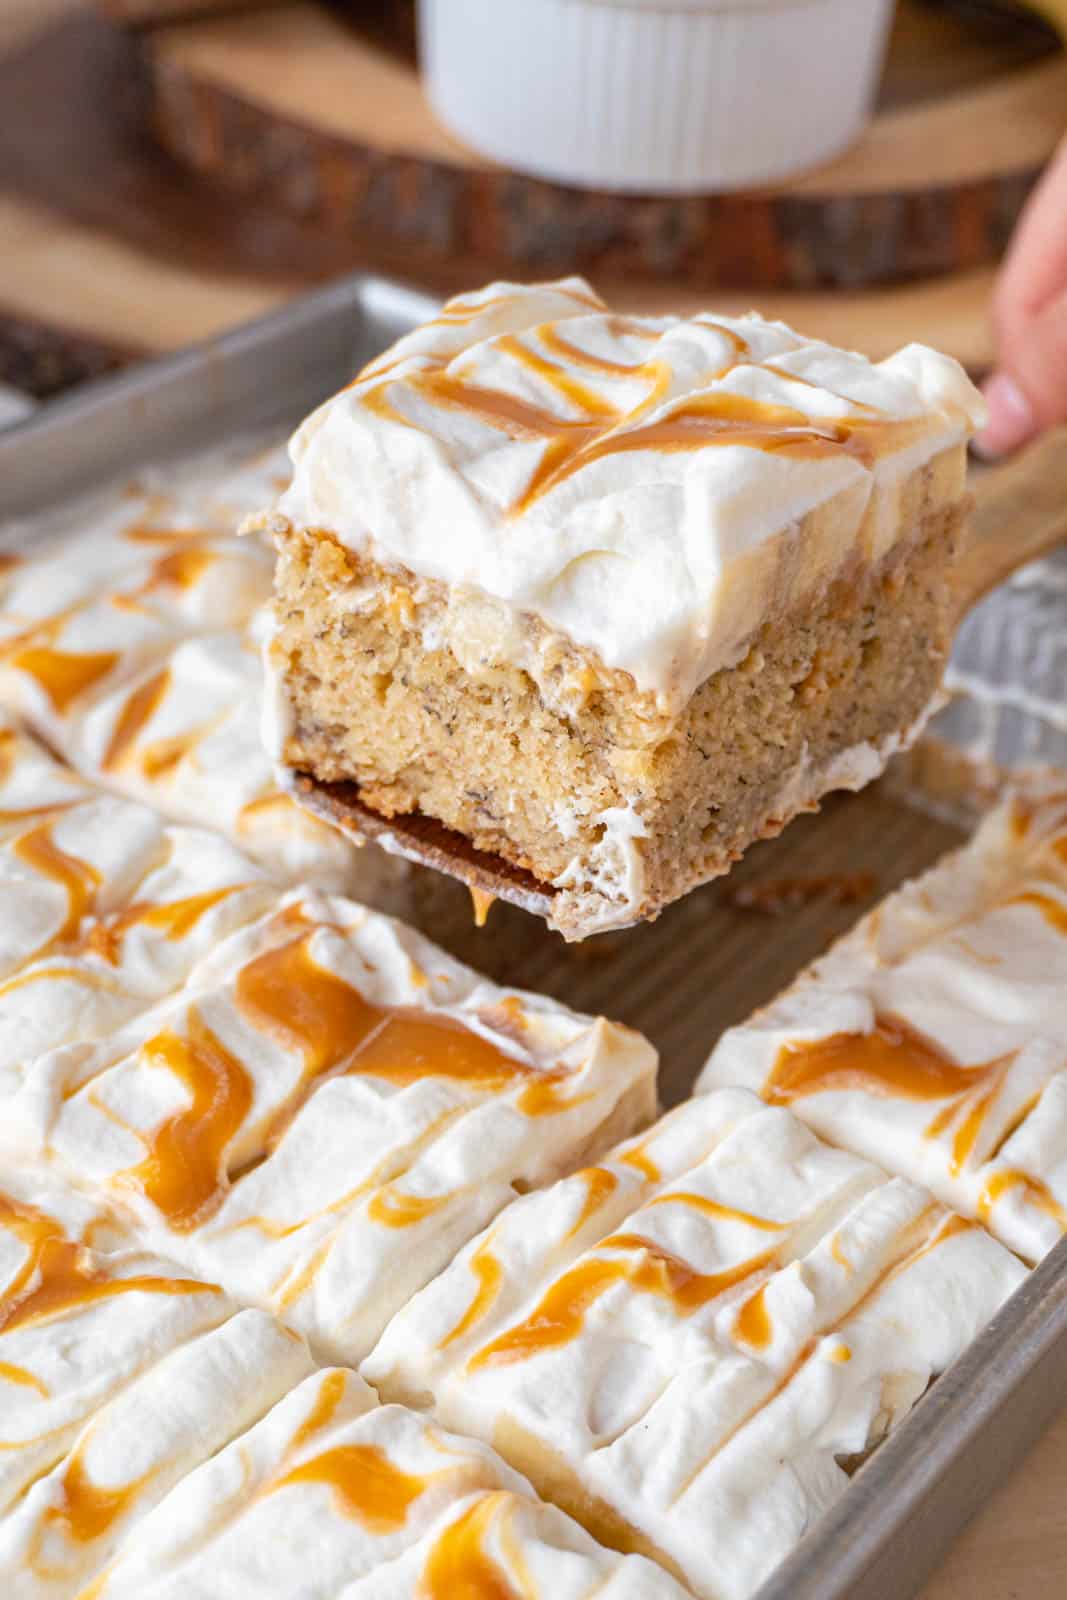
pixel 459 1567
pixel 559 1316
pixel 585 400
pixel 489 1275
pixel 395 1209
pixel 714 1208
pixel 149 533
pixel 599 1184
pixel 78 878
pixel 1053 911
pixel 59 1275
pixel 976 1108
pixel 1037 1194
pixel 139 709
pixel 482 903
pixel 365 1485
pixel 642 1162
pixel 408 1048
pixel 839 1255
pixel 87 1510
pixel 59 974
pixel 753 1322
pixel 549 335
pixel 184 1174
pixel 174 919
pixel 331 1392
pixel 23 1378
pixel 63 675
pixel 304 1008
pixel 179 569
pixel 893 1061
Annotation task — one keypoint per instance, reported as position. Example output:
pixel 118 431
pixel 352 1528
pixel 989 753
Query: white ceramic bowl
pixel 654 95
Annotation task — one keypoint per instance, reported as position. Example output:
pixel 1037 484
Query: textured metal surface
pixel 704 965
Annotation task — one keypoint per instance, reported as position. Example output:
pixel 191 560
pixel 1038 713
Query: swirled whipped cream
pixel 616 476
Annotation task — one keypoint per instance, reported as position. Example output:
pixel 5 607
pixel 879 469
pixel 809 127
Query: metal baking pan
pixel 706 964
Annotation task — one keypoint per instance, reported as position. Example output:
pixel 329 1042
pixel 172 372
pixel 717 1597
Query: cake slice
pixel 142 1441
pixel 685 1345
pixel 83 1313
pixel 332 1497
pixel 328 1112
pixel 107 908
pixel 933 1038
pixel 579 604
pixel 129 639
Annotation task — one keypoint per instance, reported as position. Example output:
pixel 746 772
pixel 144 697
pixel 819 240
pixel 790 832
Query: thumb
pixel 1028 391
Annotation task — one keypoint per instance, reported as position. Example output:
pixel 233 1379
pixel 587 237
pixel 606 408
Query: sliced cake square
pixel 933 1038
pixel 685 1345
pixel 606 597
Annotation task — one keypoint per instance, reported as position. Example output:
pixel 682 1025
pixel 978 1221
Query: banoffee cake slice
pixel 580 605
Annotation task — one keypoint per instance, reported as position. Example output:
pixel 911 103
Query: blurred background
pixel 171 167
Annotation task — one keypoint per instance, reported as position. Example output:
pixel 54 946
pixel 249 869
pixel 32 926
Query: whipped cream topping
pixel 140 1443
pixel 80 1319
pixel 328 1110
pixel 933 1037
pixel 107 907
pixel 693 1333
pixel 617 476
pixel 130 638
pixel 331 1497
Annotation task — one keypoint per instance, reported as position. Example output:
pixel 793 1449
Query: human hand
pixel 1027 391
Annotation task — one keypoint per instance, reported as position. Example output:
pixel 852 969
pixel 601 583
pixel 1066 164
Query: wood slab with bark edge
pixel 302 110
pixel 1020 514
pixel 112 249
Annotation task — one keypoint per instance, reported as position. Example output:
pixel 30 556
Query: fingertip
pixel 1011 420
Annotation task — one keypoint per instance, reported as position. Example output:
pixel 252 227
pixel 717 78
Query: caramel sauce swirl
pixel 184 1174
pixel 640 1263
pixel 460 1567
pixel 894 1061
pixel 79 879
pixel 64 675
pixel 59 1275
pixel 364 1484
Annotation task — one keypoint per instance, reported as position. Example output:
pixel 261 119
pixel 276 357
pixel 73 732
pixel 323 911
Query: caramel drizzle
pixel 646 1267
pixel 601 429
pixel 310 1011
pixel 364 1485
pixel 489 1276
pixel 317 1016
pixel 64 675
pixel 183 1174
pixel 140 707
pixel 59 1276
pixel 174 920
pixel 460 1567
pixel 753 1322
pixel 23 1378
pixel 395 1208
pixel 715 1208
pixel 600 1184
pixel 1037 1194
pixel 87 1510
pixel 1053 911
pixel 893 1061
pixel 78 879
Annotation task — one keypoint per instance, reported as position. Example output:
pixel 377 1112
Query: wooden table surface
pixel 1016 1549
